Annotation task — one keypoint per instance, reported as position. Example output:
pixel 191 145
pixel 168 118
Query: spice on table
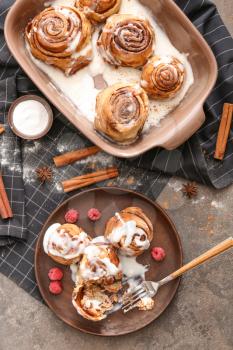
pixel 190 189
pixel 44 174
pixel 89 179
pixel 2 129
pixel 224 130
pixel 71 157
pixel 5 209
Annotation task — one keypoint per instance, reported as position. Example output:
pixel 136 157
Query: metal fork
pixel 150 288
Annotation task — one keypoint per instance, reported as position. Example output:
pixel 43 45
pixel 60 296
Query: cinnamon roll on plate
pixel 130 230
pixel 162 77
pixel 91 302
pixel 121 112
pixel 59 36
pixel 99 265
pixel 98 10
pixel 126 40
pixel 65 244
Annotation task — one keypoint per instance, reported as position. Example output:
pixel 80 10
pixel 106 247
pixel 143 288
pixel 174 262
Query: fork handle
pixel 218 249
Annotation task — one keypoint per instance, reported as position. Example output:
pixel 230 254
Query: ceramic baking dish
pixel 178 126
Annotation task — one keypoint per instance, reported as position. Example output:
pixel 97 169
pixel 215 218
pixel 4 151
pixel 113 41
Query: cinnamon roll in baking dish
pixel 121 111
pixel 162 77
pixel 130 230
pixel 126 40
pixel 59 36
pixel 98 10
pixel 65 244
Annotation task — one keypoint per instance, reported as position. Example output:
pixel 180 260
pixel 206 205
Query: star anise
pixel 190 189
pixel 44 174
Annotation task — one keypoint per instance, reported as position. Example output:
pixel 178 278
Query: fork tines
pixel 130 300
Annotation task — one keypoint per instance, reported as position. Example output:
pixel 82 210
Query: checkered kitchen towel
pixel 33 202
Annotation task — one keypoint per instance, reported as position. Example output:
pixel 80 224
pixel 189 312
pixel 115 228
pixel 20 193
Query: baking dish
pixel 178 125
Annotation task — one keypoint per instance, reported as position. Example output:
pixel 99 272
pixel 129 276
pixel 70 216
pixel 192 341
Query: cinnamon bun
pixel 99 265
pixel 126 40
pixel 121 112
pixel 162 77
pixel 59 36
pixel 98 10
pixel 65 244
pixel 91 302
pixel 130 230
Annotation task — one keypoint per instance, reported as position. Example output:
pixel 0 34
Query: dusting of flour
pixel 80 88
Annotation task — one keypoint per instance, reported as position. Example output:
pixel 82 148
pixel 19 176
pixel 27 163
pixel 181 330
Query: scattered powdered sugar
pixel 217 205
pixel 102 158
pixel 31 147
pixel 63 146
pixel 10 154
pixel 175 184
pixel 197 201
pixel 29 174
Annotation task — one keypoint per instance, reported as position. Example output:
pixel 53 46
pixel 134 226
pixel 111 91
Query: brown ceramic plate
pixel 110 200
pixel 178 126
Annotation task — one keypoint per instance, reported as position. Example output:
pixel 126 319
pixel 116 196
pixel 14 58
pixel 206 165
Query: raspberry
pixel 94 214
pixel 72 216
pixel 158 253
pixel 55 287
pixel 55 274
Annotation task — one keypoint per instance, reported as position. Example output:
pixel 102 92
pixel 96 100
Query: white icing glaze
pixel 80 89
pixel 129 232
pixel 103 265
pixel 92 304
pixel 74 272
pixel 132 268
pixel 99 239
pixel 59 243
pixel 165 60
pixel 51 230
pixel 75 42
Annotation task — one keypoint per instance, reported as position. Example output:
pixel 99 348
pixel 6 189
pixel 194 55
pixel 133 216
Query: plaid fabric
pixel 194 160
pixel 33 202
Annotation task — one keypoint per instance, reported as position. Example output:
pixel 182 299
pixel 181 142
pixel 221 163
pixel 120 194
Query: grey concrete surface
pixel 201 315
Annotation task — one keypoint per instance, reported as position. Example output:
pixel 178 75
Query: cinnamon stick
pixel 71 157
pixel 224 130
pixel 89 179
pixel 2 129
pixel 5 209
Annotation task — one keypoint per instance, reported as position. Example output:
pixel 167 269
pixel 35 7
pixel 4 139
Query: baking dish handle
pixel 186 129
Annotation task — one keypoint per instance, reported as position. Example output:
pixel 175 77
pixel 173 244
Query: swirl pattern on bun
pixel 130 230
pixel 65 244
pixel 121 112
pixel 162 77
pixel 126 40
pixel 59 36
